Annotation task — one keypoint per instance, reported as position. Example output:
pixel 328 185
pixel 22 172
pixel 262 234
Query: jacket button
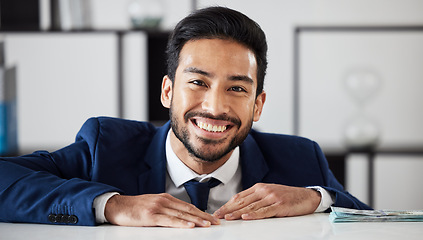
pixel 73 219
pixel 64 218
pixel 59 218
pixel 52 218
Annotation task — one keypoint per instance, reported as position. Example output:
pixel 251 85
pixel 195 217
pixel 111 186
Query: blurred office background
pixel 347 74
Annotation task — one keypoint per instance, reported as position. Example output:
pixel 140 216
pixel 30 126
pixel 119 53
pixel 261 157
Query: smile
pixel 209 127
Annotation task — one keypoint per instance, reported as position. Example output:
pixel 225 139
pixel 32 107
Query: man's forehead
pixel 201 56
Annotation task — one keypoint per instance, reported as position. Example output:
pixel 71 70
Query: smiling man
pixel 206 164
pixel 213 102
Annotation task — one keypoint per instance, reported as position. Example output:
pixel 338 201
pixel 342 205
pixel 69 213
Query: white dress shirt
pixel 229 174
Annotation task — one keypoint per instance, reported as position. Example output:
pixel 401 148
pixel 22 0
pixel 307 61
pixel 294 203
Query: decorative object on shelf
pixel 70 14
pixel 361 131
pixel 146 13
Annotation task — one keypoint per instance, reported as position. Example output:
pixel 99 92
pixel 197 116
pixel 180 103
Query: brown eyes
pixel 201 83
pixel 198 82
pixel 237 89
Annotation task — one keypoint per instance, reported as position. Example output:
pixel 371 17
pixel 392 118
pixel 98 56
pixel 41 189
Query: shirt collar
pixel 180 173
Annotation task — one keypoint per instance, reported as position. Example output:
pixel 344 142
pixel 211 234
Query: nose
pixel 215 102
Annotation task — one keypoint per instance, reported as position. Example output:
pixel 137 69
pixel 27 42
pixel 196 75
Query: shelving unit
pixel 155 68
pixel 337 158
pixel 157 41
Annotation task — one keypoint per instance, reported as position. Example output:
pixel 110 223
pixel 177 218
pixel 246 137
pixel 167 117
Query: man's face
pixel 213 98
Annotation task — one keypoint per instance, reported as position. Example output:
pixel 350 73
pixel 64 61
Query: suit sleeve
pixel 342 197
pixel 52 188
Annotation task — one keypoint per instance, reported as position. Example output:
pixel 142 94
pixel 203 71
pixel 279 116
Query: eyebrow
pixel 243 78
pixel 198 71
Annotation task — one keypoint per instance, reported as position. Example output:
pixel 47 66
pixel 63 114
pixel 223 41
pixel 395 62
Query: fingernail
pixel 191 224
pixel 229 216
pixel 206 223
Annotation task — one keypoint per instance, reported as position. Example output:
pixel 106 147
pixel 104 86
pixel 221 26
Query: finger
pixel 261 203
pixel 188 212
pixel 162 220
pixel 237 202
pixel 261 213
pixel 199 220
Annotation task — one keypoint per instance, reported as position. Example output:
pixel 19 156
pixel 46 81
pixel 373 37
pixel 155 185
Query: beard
pixel 207 154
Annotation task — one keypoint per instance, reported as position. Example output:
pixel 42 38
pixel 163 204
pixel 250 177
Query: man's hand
pixel 155 210
pixel 270 200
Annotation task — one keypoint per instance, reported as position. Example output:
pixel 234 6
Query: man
pixel 131 173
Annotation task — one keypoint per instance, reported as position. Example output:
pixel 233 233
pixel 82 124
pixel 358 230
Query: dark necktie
pixel 199 192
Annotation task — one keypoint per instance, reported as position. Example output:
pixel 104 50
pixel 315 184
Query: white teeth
pixel 211 128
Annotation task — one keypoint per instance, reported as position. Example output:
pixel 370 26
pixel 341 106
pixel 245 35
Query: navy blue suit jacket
pixel 112 154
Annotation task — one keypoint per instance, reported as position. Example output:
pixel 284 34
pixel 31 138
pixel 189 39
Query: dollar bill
pixel 339 214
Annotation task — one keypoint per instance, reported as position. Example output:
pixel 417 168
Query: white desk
pixel 316 226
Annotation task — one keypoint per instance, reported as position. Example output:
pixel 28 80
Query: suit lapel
pixel 154 180
pixel 253 165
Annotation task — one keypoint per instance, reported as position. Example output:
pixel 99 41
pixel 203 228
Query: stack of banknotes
pixel 353 215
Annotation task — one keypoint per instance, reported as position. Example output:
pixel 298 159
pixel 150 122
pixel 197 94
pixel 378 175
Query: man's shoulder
pixel 119 122
pixel 110 126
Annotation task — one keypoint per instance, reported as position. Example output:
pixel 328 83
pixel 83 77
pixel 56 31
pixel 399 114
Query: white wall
pixel 62 80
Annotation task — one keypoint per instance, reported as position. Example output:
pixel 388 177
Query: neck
pixel 197 165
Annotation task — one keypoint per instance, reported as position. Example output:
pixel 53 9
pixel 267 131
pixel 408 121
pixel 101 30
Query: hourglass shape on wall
pixel 361 131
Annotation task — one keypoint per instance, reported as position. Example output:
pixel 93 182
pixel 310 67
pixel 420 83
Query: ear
pixel 258 107
pixel 166 96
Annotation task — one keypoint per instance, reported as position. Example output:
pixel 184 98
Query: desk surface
pixel 315 226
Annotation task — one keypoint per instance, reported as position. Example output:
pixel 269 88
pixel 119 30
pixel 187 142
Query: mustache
pixel 222 117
